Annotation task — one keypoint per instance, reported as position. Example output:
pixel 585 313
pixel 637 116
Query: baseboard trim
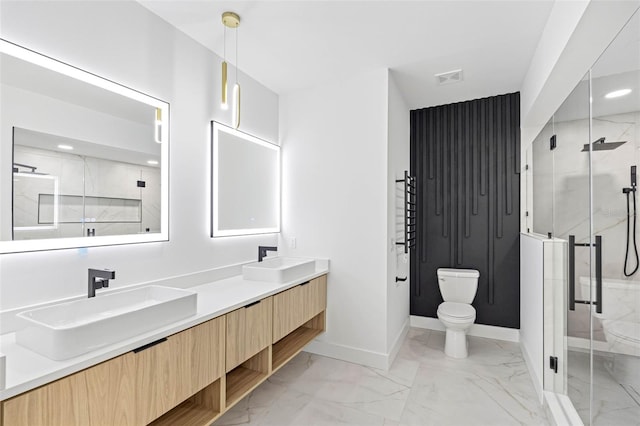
pixel 478 330
pixel 537 381
pixel 360 356
pixel 373 359
pixel 395 348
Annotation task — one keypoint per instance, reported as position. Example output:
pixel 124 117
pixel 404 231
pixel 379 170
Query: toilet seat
pixel 457 312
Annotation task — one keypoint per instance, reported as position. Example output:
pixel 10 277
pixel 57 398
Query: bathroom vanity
pixel 243 332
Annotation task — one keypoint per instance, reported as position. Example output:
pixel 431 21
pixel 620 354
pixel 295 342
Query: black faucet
pixel 262 251
pixel 99 278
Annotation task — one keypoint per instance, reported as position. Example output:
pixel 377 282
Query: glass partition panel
pixel 614 286
pixel 542 174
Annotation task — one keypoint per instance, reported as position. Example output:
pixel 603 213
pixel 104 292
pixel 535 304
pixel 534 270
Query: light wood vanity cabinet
pixel 189 378
pixel 132 389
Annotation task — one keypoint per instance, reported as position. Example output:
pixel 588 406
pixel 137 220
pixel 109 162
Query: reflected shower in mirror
pixel 80 156
pixel 245 184
pixel 99 190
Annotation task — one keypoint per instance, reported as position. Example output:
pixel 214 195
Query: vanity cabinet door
pixel 173 370
pixel 248 332
pixel 314 297
pixel 288 312
pixel 100 395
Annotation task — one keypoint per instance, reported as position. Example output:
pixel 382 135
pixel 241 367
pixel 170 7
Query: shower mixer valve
pixel 633 182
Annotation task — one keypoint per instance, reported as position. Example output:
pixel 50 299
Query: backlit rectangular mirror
pixel 245 184
pixel 83 160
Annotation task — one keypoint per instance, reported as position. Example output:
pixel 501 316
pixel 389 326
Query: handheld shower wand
pixel 631 190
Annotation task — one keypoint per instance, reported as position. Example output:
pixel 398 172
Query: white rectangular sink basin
pixel 278 269
pixel 70 329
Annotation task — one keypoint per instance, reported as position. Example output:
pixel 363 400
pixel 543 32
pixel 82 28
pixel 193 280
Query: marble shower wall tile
pixel 611 171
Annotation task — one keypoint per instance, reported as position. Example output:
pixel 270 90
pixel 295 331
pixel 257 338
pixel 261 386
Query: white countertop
pixel 26 370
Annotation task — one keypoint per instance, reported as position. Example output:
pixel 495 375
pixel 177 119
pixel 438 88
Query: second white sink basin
pixel 279 269
pixel 70 329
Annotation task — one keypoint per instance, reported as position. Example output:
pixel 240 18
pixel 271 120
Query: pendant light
pixel 224 103
pixel 231 20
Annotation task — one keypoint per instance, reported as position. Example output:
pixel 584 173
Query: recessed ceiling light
pixel 617 93
pixel 67 147
pixel 152 162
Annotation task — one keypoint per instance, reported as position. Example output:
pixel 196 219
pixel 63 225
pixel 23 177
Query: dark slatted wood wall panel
pixel 466 160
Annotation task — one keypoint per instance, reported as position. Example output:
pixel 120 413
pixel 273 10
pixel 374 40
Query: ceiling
pixel 290 45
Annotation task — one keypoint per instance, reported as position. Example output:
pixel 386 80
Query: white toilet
pixel 458 288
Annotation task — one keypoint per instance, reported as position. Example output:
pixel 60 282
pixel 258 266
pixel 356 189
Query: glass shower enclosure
pixel 585 191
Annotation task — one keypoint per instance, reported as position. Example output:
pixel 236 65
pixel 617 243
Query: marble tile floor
pixel 423 387
pixel 614 403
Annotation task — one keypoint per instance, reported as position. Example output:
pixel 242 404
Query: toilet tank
pixel 458 285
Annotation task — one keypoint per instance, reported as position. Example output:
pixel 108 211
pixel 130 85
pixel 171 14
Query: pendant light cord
pixel 635 245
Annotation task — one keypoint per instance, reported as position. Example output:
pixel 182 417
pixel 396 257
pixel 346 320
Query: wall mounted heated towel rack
pixel 410 194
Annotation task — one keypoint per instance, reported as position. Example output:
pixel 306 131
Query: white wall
pixel 126 43
pixel 335 180
pixel 397 260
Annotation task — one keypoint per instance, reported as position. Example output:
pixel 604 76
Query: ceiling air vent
pixel 449 77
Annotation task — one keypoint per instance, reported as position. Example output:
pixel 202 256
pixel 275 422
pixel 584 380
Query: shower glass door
pixel 615 316
pixel 571 223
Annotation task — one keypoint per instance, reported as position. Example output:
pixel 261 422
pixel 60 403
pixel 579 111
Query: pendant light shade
pixel 231 20
pixel 224 103
pixel 236 110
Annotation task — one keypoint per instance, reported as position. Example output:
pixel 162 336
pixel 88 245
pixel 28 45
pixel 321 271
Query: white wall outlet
pixel 292 242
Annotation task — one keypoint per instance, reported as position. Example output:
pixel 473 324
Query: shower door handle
pixel 598 301
pixel 572 274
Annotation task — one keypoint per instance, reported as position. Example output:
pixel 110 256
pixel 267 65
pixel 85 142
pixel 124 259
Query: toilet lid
pixel 626 330
pixel 457 310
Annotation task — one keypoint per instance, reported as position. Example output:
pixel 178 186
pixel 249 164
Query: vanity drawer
pixel 248 332
pixel 293 307
pixel 173 370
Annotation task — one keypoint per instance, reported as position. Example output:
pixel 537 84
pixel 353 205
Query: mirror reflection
pixel 246 183
pixel 82 159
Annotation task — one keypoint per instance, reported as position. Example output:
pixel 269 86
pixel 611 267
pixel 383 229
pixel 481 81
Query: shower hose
pixel 635 245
